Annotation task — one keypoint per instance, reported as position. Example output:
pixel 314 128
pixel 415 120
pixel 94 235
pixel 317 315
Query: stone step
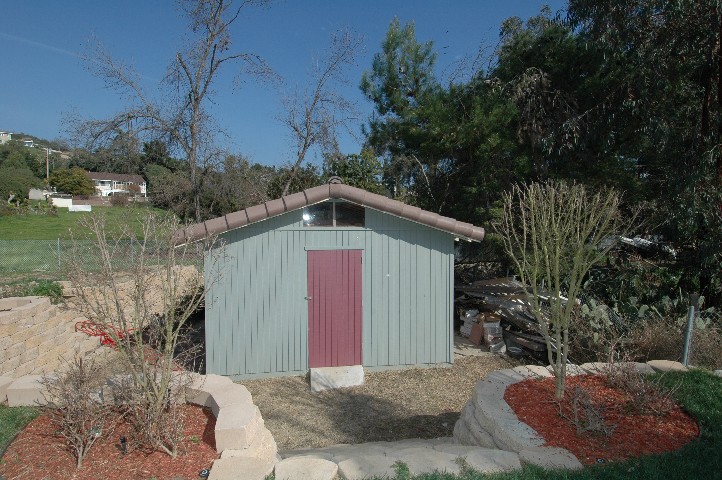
pixel 306 468
pixel 234 468
pixel 421 456
pixel 26 391
pixel 367 466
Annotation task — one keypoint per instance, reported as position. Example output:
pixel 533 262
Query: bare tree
pixel 140 289
pixel 554 233
pixel 314 114
pixel 181 116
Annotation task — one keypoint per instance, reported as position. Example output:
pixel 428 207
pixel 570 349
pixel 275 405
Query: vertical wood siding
pixel 257 315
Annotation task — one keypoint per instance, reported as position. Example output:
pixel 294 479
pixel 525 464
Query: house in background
pixel 28 142
pixel 110 183
pixel 333 276
pixel 5 137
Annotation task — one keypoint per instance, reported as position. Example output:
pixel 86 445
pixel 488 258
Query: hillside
pixel 45 227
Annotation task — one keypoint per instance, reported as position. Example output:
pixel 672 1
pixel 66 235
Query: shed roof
pixel 321 193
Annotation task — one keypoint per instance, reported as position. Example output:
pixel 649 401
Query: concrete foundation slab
pixel 336 377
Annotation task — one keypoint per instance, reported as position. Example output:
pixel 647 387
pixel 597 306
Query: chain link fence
pixel 51 257
pixel 705 348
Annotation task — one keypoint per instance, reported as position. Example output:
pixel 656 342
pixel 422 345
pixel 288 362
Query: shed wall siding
pixel 257 316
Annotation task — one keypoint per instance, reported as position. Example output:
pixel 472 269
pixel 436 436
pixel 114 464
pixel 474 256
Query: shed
pixel 331 276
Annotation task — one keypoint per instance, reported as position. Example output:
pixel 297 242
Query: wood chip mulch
pixel 391 405
pixel 632 435
pixel 38 453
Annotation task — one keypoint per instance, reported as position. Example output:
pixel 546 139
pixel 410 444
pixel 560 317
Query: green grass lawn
pixel 33 246
pixel 46 227
pixel 12 421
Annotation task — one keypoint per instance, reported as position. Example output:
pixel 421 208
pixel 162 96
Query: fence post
pixel 693 299
pixel 58 253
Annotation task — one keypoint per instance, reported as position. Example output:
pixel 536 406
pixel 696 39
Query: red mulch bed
pixel 39 453
pixel 534 403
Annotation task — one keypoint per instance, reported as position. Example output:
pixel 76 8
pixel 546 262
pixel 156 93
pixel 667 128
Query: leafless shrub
pixel 144 306
pixel 586 415
pixel 75 405
pixel 645 397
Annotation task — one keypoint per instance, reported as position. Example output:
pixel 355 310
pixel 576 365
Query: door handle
pixel 308 298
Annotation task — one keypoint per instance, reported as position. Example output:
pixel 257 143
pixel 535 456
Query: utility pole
pixel 47 163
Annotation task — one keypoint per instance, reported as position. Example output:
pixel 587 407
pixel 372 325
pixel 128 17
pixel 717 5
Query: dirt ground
pixel 391 405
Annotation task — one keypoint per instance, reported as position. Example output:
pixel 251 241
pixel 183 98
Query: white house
pixel 110 183
pixel 5 137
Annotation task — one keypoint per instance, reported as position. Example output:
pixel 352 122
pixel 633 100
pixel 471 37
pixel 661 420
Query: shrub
pixel 47 288
pixel 145 316
pixel 119 200
pixel 76 407
pixel 644 396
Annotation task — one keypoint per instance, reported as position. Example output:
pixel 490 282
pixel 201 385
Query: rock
pixel 425 460
pixel 200 390
pixel 27 391
pixel 361 450
pixel 487 460
pixel 594 367
pixel 532 371
pixel 237 426
pixel 235 468
pixel 667 366
pixel 305 468
pixel 550 458
pixel 263 446
pixel 367 466
pixel 515 436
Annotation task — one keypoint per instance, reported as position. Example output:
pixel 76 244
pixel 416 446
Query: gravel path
pixel 391 405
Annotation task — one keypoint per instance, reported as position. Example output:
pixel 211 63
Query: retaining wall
pixel 35 334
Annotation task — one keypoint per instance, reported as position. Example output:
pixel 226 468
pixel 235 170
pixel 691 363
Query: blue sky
pixel 43 77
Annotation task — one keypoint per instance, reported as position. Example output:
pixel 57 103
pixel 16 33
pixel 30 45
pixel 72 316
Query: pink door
pixel 334 308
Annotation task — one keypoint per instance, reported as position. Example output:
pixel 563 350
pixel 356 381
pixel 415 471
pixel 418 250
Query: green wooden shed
pixel 330 276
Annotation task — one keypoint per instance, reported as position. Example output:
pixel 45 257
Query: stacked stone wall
pixel 36 335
